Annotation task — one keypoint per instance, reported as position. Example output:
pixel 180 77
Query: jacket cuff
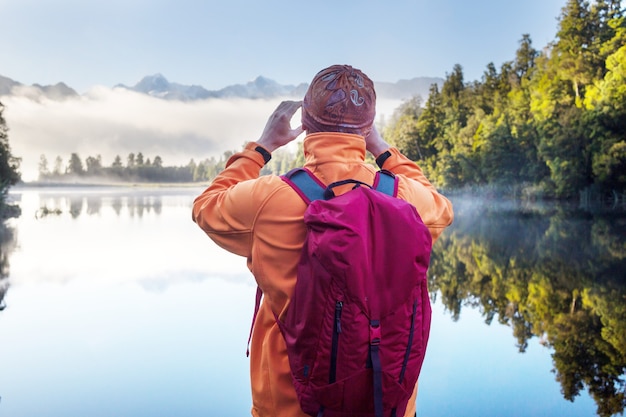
pixel 251 150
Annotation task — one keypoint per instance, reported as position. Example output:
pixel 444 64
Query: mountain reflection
pixel 548 272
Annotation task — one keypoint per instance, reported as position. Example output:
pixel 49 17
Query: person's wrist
pixel 267 145
pixel 378 148
pixel 265 153
pixel 382 157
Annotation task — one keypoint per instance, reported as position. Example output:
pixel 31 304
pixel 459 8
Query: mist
pixel 111 122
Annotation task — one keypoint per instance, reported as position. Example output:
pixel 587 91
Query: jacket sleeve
pixel 226 210
pixel 434 209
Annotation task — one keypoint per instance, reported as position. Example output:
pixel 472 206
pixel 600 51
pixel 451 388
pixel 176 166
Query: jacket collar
pixel 323 147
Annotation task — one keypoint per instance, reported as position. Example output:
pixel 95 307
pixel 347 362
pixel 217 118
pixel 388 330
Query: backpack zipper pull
pixel 338 308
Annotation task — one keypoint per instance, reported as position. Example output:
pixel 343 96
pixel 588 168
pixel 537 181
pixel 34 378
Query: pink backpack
pixel 358 322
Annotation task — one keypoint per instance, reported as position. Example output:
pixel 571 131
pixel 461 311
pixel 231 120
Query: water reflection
pixel 548 272
pixel 116 263
pixel 115 307
pixel 136 202
pixel 8 243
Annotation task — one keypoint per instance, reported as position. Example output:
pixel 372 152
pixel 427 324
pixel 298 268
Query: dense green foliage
pixel 9 166
pixel 554 274
pixel 554 119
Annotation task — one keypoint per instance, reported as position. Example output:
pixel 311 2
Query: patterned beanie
pixel 340 99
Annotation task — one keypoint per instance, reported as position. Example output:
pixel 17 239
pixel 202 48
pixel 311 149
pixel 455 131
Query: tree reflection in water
pixel 78 204
pixel 8 243
pixel 554 273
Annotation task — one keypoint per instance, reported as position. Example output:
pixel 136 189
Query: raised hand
pixel 278 131
pixel 375 143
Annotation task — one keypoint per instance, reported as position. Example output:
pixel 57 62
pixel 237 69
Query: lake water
pixel 118 305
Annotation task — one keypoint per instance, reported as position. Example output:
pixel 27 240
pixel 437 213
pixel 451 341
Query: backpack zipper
pixel 335 342
pixel 409 342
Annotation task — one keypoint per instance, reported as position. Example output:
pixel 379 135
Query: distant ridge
pixel 59 91
pixel 6 85
pixel 405 89
pixel 158 86
pixel 260 88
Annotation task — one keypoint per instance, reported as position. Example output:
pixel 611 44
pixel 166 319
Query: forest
pixel 137 168
pixel 549 123
pixel 553 120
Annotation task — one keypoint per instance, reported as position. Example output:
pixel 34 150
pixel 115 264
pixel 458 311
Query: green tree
pixel 566 150
pixel 574 48
pixel 201 171
pixel 9 164
pixel 75 165
pixel 453 97
pixel 94 165
pixel 43 170
pixel 117 162
pixel 524 59
pixel 403 130
pixel 58 165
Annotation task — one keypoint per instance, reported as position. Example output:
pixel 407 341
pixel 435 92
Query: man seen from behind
pixel 261 217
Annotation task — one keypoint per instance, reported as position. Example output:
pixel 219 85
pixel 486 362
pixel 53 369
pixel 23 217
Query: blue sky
pixel 218 43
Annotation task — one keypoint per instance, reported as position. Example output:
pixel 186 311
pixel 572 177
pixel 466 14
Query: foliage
pixel 554 119
pixel 9 167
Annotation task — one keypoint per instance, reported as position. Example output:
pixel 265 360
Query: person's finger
pixel 297 131
pixel 290 107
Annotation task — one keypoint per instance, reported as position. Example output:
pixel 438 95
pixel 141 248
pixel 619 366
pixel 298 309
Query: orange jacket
pixel 261 218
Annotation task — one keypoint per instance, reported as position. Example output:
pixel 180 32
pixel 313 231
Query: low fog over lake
pixel 56 121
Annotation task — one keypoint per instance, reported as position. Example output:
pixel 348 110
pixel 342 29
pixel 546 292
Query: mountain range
pixel 261 87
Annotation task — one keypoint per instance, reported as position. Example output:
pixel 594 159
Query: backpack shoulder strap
pixel 305 183
pixel 309 188
pixel 386 182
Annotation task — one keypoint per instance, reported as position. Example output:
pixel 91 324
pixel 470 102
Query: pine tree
pixel 9 165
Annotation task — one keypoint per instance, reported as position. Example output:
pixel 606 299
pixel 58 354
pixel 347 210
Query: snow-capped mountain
pixel 260 88
pixel 158 86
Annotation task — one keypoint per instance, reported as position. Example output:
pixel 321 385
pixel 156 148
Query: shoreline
pixel 112 184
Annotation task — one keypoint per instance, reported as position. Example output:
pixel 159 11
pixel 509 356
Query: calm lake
pixel 116 304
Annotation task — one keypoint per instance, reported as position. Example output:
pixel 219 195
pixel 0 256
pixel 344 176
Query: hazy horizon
pixel 111 122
